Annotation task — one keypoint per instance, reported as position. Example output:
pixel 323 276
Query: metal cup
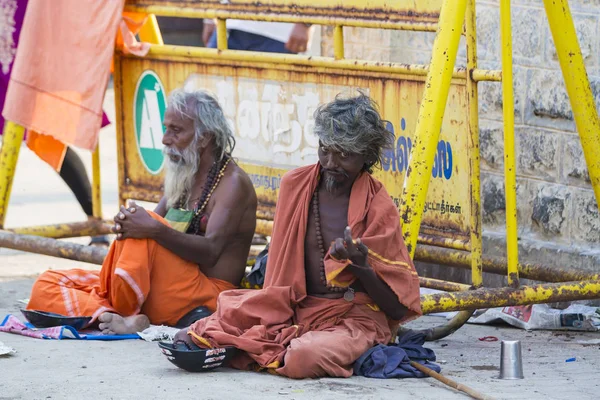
pixel 511 364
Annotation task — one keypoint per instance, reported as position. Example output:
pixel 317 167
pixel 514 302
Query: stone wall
pixel 559 221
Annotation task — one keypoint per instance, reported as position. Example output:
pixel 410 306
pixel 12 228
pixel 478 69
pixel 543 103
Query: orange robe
pixel 137 276
pixel 300 336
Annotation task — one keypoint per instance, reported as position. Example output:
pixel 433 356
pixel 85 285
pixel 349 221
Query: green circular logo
pixel 149 105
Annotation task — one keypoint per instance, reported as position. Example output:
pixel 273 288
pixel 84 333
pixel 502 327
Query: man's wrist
pixel 363 272
pixel 156 231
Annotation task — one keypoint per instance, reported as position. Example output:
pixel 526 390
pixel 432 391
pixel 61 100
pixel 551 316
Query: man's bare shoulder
pixel 238 185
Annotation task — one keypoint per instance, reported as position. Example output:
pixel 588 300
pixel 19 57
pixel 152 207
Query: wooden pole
pixel 465 389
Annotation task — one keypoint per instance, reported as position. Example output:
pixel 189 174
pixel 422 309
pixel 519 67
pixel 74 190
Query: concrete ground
pixel 136 369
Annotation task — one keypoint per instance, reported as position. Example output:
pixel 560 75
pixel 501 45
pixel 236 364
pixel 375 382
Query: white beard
pixel 180 174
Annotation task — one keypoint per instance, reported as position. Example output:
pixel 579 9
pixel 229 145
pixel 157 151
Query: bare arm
pixel 223 227
pixel 161 208
pixel 377 289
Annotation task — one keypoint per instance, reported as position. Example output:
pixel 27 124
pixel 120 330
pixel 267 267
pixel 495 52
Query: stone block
pixel 488 32
pixel 491 147
pixel 493 203
pixel 525 196
pixel 586 26
pixel 551 206
pixel 574 169
pixel 527 35
pixel 547 103
pixel 537 153
pixel 490 97
pixel 589 6
pixel 586 226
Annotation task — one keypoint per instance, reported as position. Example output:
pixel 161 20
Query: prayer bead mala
pixel 213 178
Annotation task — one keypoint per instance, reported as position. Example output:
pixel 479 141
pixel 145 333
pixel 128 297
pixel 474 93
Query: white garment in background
pixel 279 31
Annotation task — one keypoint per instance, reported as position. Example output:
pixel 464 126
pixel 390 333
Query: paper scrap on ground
pixel 5 350
pixel 576 317
pixel 156 333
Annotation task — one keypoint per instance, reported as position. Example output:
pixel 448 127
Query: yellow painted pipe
pixel 263 227
pixel 475 175
pixel 430 118
pixel 150 31
pixel 188 12
pixel 168 52
pixel 96 183
pixel 91 227
pixel 481 75
pixel 221 34
pixel 578 86
pixel 9 154
pixel 510 166
pixel 501 297
pixel 338 42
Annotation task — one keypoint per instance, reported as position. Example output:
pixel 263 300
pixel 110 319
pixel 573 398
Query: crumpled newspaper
pixel 5 350
pixel 158 333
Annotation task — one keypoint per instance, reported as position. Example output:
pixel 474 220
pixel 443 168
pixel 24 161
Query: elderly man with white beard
pixel 169 266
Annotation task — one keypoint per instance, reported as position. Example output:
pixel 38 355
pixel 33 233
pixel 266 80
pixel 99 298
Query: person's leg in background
pixel 75 176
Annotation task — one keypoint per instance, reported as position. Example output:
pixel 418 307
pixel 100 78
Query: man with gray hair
pixel 339 278
pixel 169 266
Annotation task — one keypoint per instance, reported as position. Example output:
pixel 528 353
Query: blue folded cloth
pixel 393 361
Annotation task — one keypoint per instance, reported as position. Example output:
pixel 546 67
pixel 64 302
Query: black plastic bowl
pixel 201 360
pixel 42 319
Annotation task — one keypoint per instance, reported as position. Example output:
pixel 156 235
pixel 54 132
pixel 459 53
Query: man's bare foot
pixel 111 323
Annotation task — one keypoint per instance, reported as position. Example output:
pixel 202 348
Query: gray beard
pixel 331 185
pixel 180 174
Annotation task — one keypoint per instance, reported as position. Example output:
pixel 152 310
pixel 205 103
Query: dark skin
pixel 333 210
pixel 222 251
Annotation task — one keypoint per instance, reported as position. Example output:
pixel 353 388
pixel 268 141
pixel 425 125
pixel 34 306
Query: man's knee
pixel 300 362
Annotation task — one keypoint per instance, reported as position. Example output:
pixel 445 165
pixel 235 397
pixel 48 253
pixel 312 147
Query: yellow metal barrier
pixel 578 86
pixel 441 209
pixel 430 119
pixel 510 165
pixel 11 145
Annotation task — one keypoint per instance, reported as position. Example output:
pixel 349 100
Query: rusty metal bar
pixel 480 75
pixel 221 34
pixel 457 244
pixel 96 183
pixel 53 247
pixel 186 12
pixel 9 154
pixel 429 121
pixel 497 265
pixel 91 227
pixel 189 53
pixel 120 129
pixel 507 296
pixel 446 286
pixel 264 227
pixel 338 42
pixel 510 167
pixel 475 175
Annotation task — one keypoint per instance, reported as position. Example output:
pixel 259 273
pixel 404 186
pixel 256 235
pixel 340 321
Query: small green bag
pixel 179 219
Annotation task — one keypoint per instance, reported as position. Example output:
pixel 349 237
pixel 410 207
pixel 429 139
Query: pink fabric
pixel 62 68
